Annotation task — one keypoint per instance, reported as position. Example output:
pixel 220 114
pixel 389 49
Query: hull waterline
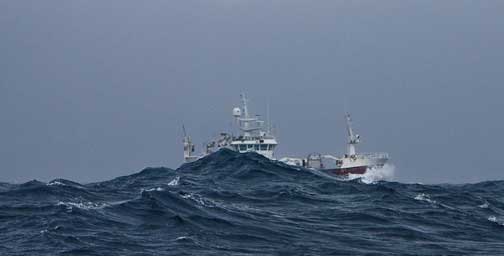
pixel 347 171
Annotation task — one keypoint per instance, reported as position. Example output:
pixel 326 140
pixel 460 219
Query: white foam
pixel 107 204
pixel 495 220
pixel 82 205
pixel 484 206
pixel 424 197
pixel 152 189
pixel 47 230
pixel 59 183
pixel 373 175
pixel 55 183
pixel 174 182
pixel 200 200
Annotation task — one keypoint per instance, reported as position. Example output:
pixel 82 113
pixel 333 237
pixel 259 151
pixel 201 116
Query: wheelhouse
pixel 265 147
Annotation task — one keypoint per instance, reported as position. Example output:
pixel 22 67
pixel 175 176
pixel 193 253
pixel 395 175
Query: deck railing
pixel 373 155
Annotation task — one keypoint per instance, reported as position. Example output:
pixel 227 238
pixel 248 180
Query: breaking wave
pixel 385 173
pixel 244 204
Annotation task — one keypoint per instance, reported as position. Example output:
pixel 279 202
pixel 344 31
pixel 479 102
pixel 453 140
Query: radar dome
pixel 236 112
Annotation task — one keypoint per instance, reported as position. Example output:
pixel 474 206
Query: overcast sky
pixel 90 90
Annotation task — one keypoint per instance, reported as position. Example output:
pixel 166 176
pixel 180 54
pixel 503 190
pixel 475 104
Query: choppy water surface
pixel 244 204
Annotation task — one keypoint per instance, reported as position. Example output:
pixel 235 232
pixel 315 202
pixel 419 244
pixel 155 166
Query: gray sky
pixel 90 90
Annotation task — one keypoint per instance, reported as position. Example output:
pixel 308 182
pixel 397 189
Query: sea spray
pixel 372 175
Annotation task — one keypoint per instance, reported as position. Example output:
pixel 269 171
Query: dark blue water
pixel 244 204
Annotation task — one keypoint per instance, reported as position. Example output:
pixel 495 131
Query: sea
pixel 244 204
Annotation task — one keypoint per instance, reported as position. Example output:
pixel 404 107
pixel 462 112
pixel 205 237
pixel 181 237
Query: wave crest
pixel 373 175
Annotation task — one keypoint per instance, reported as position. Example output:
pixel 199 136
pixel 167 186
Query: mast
pixel 269 119
pixel 353 139
pixel 188 146
pixel 244 105
pixel 247 124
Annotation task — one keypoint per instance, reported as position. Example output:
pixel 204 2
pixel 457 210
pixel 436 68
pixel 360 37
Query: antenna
pixel 183 128
pixel 345 109
pixel 276 130
pixel 349 126
pixel 244 102
pixel 268 117
pixel 353 139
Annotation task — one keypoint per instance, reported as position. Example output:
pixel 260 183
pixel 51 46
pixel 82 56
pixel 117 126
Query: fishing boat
pixel 350 163
pixel 254 136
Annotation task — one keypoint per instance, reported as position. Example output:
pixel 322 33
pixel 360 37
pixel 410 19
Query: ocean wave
pixel 82 205
pixel 376 174
pixel 198 199
pixel 159 189
pixel 425 197
pixel 174 182
pixel 244 204
pixel 485 205
pixel 496 220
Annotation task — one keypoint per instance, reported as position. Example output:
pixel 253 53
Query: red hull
pixel 346 171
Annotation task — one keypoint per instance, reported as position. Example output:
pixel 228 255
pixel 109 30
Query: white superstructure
pixel 351 163
pixel 353 159
pixel 252 137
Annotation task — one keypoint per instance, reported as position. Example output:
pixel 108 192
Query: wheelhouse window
pixel 243 147
pixel 256 147
pixel 264 147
